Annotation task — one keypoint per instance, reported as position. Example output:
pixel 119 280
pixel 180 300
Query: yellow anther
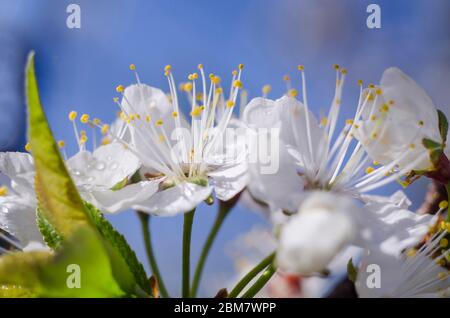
pixel 373 117
pixel 187 87
pixel 371 97
pixel 237 84
pixel 147 118
pixel 344 71
pixel 301 68
pixel 219 90
pixel 376 163
pixel 174 114
pixel 199 96
pixel 421 123
pixel 266 89
pixel 323 121
pixel 286 78
pixel 356 126
pixel 196 111
pixel 411 252
pixel 234 73
pixel 292 92
pixel 105 141
pixel 371 86
pixel 3 191
pixel 384 108
pixel 73 115
pixel 374 135
pixel 161 138
pixel 443 204
pixel 211 75
pixel 202 107
pixel 336 66
pixel 241 66
pixel 116 99
pixel 230 103
pixel 167 68
pixel 349 122
pixel 84 118
pixel 370 170
pixel 61 144
pixel 391 102
pixel 215 80
pixel 200 66
pixel 443 243
pixel 83 139
pixel 132 67
pixel 194 76
pixel 360 82
pixel 120 88
pixel 28 147
pixel 378 91
pixel 441 262
pixel 105 128
pixel 442 275
pixel 96 121
pixel 412 146
pixel 159 122
pixel 83 132
pixel 132 117
pixel 337 101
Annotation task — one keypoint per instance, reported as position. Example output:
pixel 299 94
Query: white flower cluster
pixel 154 160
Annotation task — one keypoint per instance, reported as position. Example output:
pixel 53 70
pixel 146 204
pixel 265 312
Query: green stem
pixel 187 231
pixel 261 282
pixel 250 275
pixel 221 215
pixel 447 187
pixel 145 220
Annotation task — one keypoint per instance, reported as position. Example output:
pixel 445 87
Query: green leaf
pixel 431 144
pixel 443 125
pixel 57 195
pixel 51 236
pixel 46 274
pixel 58 199
pixel 352 272
pixel 118 241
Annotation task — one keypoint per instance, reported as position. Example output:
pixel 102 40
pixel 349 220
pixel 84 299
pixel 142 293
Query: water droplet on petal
pixel 113 165
pixel 99 165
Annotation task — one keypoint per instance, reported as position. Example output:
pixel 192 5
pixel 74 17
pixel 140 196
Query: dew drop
pixel 113 165
pixel 99 165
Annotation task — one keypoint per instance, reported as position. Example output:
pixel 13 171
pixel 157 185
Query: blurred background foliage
pixel 79 68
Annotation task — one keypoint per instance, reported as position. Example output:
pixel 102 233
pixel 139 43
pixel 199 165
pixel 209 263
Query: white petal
pixel 145 100
pixel 282 189
pixel 180 198
pixel 390 228
pixel 18 217
pixel 19 167
pixel 313 237
pixel 229 182
pixel 116 201
pixel 104 168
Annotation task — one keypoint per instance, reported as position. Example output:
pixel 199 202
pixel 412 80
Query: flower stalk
pixel 187 231
pixel 221 215
pixel 145 220
pixel 260 282
pixel 251 275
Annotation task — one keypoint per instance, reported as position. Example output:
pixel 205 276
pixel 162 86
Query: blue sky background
pixel 79 68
